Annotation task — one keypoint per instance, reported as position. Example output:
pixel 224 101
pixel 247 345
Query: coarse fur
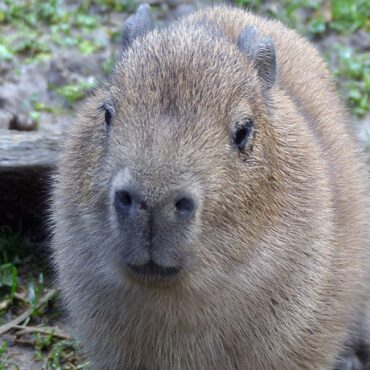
pixel 275 263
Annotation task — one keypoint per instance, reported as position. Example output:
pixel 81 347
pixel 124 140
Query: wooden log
pixel 19 150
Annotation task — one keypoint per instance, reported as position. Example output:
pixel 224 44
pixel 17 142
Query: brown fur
pixel 278 270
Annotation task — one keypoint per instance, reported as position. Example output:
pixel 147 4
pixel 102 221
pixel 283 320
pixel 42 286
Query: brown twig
pixel 26 342
pixel 4 304
pixel 25 315
pixel 20 297
pixel 34 329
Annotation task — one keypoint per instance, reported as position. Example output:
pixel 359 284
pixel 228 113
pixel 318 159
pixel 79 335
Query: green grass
pixel 9 279
pixel 35 29
pixel 77 91
pixel 354 73
pixel 5 362
pixel 12 246
pixel 349 15
pixel 342 16
pixel 11 250
pixel 62 350
pixel 24 290
pixel 64 28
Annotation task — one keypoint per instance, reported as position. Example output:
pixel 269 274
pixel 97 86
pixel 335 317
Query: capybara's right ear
pixel 136 25
pixel 262 51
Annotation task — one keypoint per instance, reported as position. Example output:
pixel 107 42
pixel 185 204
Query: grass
pixel 315 16
pixel 11 251
pixel 27 309
pixel 34 30
pixel 353 72
pixel 77 91
pixel 31 18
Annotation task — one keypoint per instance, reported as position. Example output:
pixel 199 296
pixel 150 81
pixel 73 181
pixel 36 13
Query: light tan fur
pixel 279 251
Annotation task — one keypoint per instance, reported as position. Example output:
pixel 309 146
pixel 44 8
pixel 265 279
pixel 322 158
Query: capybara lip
pixel 153 271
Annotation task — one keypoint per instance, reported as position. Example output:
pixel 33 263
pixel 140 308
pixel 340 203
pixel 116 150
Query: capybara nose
pixel 128 202
pixel 185 206
pixel 179 206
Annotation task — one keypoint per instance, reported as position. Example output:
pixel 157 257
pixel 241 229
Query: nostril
pixel 125 198
pixel 123 202
pixel 184 204
pixel 128 203
pixel 185 207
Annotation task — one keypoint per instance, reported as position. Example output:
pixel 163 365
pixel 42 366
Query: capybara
pixel 210 207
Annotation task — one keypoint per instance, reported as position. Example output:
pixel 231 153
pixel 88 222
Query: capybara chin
pixel 210 208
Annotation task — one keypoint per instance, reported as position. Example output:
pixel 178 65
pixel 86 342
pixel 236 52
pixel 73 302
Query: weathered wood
pixel 28 149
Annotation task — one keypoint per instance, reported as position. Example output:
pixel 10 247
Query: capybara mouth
pixel 153 271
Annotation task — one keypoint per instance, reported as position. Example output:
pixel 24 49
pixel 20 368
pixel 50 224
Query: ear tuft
pixel 137 25
pixel 262 51
pixel 247 40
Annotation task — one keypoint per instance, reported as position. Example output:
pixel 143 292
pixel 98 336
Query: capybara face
pixel 168 152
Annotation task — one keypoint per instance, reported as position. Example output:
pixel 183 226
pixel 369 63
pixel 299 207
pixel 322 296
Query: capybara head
pixel 175 153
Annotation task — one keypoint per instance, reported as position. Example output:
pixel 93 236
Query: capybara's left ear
pixel 262 51
pixel 136 25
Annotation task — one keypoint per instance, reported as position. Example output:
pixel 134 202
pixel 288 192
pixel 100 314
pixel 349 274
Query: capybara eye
pixel 108 117
pixel 108 109
pixel 243 133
